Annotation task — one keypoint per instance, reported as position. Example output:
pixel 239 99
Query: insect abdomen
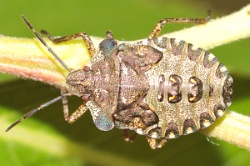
pixel 189 89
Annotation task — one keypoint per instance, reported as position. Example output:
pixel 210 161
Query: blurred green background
pixel 83 143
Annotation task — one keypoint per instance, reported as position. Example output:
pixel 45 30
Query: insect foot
pixel 159 87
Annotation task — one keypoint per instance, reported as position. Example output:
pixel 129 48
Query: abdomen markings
pixel 189 89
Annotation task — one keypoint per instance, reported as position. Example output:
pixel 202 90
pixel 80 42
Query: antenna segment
pixel 45 44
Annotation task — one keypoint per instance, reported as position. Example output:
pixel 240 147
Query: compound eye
pixel 107 46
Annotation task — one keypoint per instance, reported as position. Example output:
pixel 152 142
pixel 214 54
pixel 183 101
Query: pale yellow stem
pixel 233 128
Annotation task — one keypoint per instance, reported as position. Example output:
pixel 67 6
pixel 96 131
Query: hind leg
pixel 154 144
pixel 159 26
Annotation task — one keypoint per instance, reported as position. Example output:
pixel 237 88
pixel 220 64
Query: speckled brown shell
pixel 185 88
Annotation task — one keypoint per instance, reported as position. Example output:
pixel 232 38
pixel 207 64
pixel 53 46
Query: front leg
pixel 76 114
pixel 87 40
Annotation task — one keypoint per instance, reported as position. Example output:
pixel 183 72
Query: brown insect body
pixel 188 90
pixel 158 87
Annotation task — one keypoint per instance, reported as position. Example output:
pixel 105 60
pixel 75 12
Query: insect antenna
pixel 32 112
pixel 45 44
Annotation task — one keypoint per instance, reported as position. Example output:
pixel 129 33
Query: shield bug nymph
pixel 159 87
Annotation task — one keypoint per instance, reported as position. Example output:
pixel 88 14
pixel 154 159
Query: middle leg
pixel 127 136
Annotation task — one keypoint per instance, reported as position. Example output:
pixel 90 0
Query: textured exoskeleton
pixel 159 87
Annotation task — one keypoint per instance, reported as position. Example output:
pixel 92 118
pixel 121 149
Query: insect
pixel 159 87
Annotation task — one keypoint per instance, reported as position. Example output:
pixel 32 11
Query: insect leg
pixel 87 40
pixel 159 26
pixel 128 137
pixel 76 114
pixel 154 144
